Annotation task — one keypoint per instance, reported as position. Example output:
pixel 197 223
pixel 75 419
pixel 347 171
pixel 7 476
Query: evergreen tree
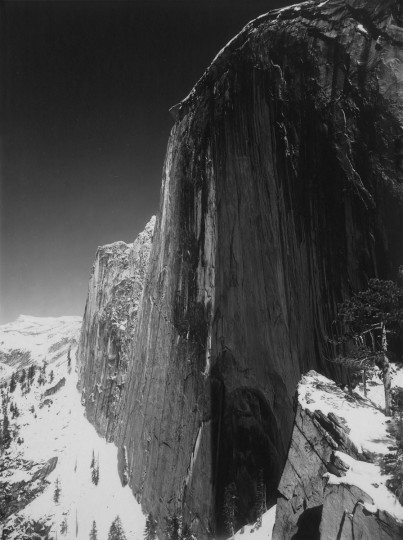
pixel 64 526
pixel 14 411
pixel 22 377
pixel 230 508
pixel 56 494
pixel 359 362
pixel 174 527
pixel 187 533
pixel 94 469
pixel 116 531
pixel 31 372
pixel 51 376
pixel 95 474
pixel 13 382
pixel 94 532
pixel 150 531
pixel 260 498
pixel 69 358
pixel 6 435
pixel 365 321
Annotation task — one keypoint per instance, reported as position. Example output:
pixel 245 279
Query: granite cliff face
pixel 109 324
pixel 281 193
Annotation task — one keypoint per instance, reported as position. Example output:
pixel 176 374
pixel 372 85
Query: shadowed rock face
pixel 281 193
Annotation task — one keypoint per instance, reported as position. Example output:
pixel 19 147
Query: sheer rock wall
pixel 281 193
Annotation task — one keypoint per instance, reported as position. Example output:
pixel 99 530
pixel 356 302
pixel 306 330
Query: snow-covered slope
pixel 367 430
pixel 35 339
pixel 338 474
pixel 47 473
pixel 262 532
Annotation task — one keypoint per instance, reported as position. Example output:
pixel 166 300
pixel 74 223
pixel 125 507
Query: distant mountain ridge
pixel 31 339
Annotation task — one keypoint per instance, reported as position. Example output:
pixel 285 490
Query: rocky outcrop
pixel 318 500
pixel 281 193
pixel 347 515
pixel 109 324
pixel 55 388
pixel 18 493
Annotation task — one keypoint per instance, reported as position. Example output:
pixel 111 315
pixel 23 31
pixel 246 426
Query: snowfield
pixel 60 429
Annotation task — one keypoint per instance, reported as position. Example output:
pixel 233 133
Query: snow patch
pixel 317 392
pixel 262 533
pixel 368 477
pixel 361 29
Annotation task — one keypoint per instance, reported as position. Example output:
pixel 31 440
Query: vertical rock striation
pixel 109 324
pixel 281 193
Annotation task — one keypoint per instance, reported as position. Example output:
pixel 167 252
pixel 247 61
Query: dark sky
pixel 85 93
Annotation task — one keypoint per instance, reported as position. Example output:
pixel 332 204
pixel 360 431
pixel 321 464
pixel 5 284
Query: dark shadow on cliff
pixel 246 444
pixel 308 524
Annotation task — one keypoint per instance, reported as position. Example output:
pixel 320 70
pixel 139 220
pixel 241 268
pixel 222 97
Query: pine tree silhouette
pixel 187 533
pixel 116 531
pixel 22 377
pixel 94 532
pixel 56 494
pixel 13 383
pixel 94 469
pixel 230 508
pixel 6 435
pixel 174 527
pixel 150 531
pixel 64 526
pixel 260 499
pixel 369 316
pixel 31 372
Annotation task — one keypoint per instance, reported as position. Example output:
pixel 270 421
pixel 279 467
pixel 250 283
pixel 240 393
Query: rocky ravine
pixel 281 193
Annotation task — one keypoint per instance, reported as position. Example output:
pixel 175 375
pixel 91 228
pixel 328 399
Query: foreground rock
pixel 281 192
pixel 332 486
